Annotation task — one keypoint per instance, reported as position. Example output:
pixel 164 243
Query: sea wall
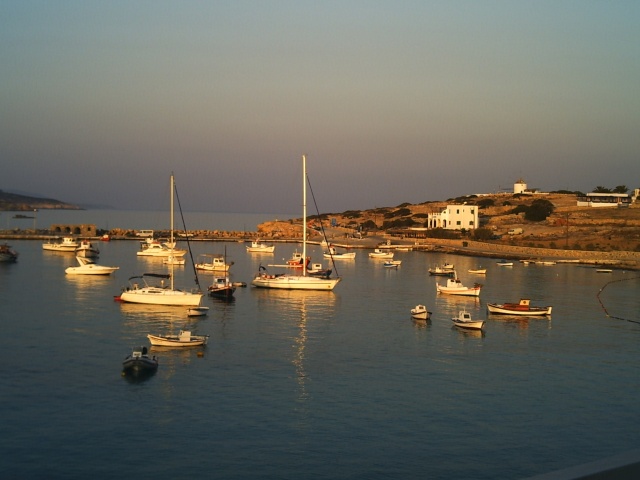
pixel 496 249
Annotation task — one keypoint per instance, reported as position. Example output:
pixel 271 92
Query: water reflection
pixel 420 324
pixel 452 304
pixel 468 333
pixel 289 303
pixel 137 312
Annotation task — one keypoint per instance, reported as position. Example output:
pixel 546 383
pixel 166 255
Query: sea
pixel 315 385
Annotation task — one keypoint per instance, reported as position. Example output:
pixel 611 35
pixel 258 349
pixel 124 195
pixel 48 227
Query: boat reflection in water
pixel 469 333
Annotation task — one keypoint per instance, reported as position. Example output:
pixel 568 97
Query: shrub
pixel 539 210
pixel 402 212
pixel 398 223
pixel 485 202
pixel 482 234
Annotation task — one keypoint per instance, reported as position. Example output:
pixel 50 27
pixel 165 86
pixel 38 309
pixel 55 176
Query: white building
pixel 454 217
pixel 519 187
pixel 606 199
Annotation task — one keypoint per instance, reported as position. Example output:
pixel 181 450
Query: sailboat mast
pixel 171 258
pixel 304 215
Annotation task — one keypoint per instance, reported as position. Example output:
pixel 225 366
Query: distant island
pixel 14 202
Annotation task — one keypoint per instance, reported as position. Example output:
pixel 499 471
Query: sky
pixel 391 101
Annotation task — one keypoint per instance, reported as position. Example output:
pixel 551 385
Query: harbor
pixel 289 380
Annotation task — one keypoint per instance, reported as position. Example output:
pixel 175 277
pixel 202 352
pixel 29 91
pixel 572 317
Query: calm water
pixel 315 385
pixel 131 219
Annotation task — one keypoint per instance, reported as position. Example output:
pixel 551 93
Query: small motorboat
pixel 87 249
pixel 333 253
pixel 505 263
pixel 463 320
pixel 173 260
pixel 296 260
pixel 478 271
pixel 139 363
pixel 212 263
pixel 221 287
pixel 524 307
pixel 443 271
pixel 89 267
pixel 455 287
pixel 257 247
pixel 392 263
pixel 420 312
pixel 197 311
pixel 8 254
pixel 317 270
pixel 183 339
pixel 377 253
pixel 67 244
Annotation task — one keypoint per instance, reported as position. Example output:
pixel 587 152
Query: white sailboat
pixel 160 294
pixel 302 281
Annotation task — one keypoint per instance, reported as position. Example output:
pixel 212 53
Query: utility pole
pixel 566 244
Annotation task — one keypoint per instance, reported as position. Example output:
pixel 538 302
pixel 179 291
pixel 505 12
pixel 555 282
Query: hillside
pixel 18 203
pixel 569 226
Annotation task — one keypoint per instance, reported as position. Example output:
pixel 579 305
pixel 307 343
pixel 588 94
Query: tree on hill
pixel 485 202
pixel 539 210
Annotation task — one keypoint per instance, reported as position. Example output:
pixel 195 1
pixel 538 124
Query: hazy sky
pixel 392 101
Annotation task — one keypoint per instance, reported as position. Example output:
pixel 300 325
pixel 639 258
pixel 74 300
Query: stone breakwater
pixel 469 247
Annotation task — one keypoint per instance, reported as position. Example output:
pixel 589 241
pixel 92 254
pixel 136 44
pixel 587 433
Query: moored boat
pixel 392 263
pixel 197 311
pixel 212 263
pixel 478 271
pixel 8 254
pixel 161 294
pixel 420 312
pixel 222 287
pixel 139 363
pixel 66 244
pixel 377 253
pixel 524 307
pixel 455 287
pixel 89 267
pixel 296 282
pixel 87 249
pixel 443 271
pixel 155 248
pixel 464 320
pixel 184 339
pixel 258 247
pixel 333 253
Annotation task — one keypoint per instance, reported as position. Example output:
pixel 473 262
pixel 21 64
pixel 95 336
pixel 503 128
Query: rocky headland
pixel 14 202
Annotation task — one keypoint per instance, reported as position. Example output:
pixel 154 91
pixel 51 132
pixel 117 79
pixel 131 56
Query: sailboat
pixel 288 281
pixel 159 294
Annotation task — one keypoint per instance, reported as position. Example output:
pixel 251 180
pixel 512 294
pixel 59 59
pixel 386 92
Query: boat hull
pixel 338 256
pixel 465 291
pixel 58 248
pixel 294 282
pixel 473 325
pixel 91 270
pixel 161 296
pixel 152 252
pixel 177 340
pixel 420 314
pixel 516 310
